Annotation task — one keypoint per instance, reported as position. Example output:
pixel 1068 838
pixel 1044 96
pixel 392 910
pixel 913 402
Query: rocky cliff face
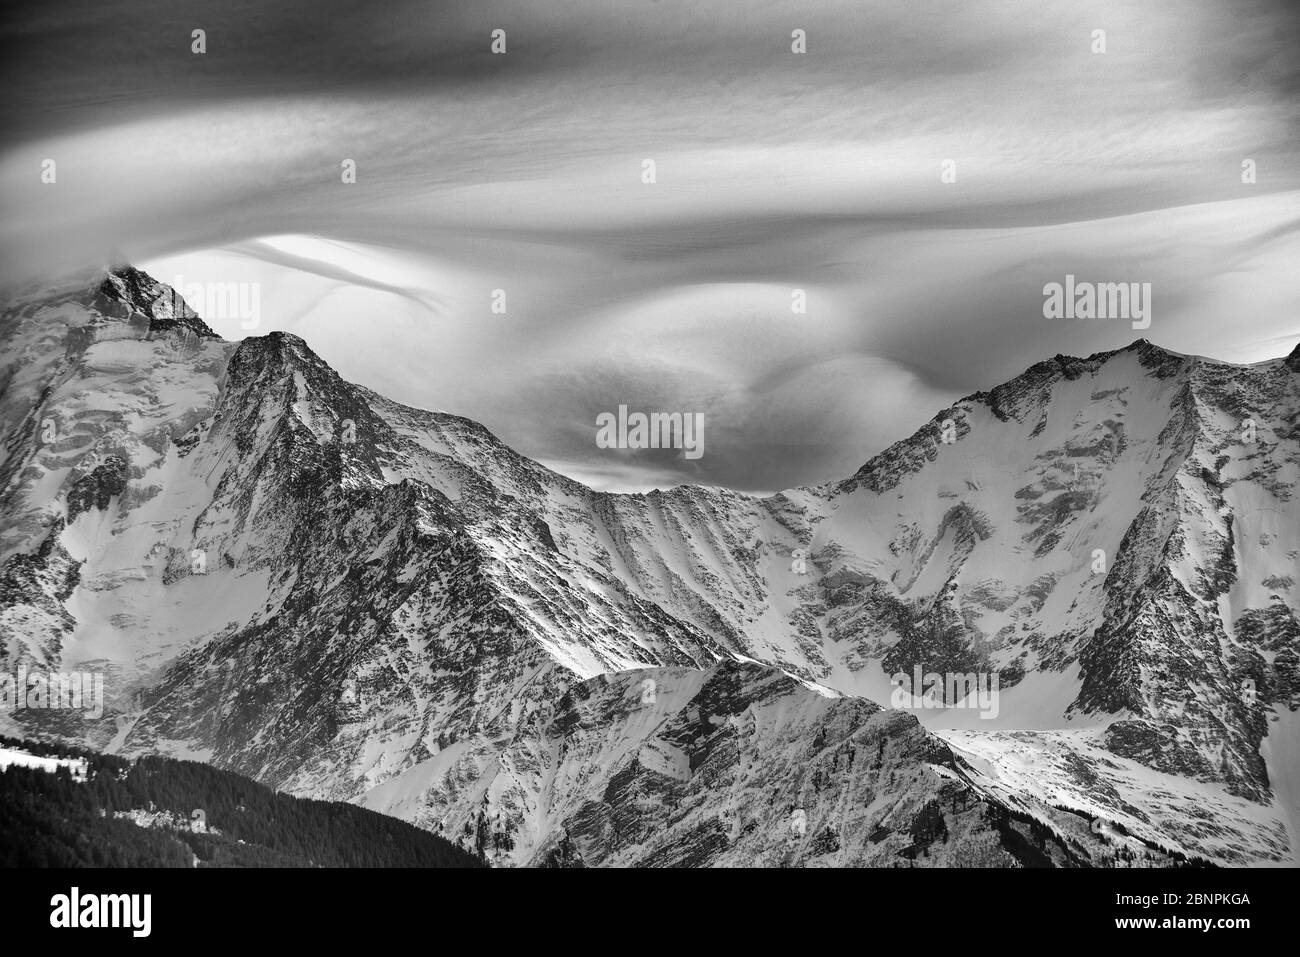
pixel 300 580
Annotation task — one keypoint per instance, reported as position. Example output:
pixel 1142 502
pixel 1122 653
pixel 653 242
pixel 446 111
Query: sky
pixel 919 173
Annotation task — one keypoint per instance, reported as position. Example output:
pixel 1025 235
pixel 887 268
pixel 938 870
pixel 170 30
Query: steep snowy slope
pixel 732 766
pixel 301 580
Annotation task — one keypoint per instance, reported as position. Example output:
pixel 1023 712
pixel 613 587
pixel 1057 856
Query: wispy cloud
pixel 774 171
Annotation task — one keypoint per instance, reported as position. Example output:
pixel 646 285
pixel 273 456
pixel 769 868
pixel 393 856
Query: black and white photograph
pixel 540 435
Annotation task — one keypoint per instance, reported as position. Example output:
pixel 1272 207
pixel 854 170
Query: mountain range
pixel 292 577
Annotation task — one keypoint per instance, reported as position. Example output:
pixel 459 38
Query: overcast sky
pixel 775 171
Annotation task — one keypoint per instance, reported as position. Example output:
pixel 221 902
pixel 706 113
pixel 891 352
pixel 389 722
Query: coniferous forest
pixel 52 820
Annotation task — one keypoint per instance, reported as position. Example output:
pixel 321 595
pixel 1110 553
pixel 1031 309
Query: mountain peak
pixel 1024 397
pixel 127 291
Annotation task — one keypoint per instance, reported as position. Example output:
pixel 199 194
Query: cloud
pixel 773 172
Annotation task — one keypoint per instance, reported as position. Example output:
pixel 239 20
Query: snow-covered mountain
pixel 298 579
